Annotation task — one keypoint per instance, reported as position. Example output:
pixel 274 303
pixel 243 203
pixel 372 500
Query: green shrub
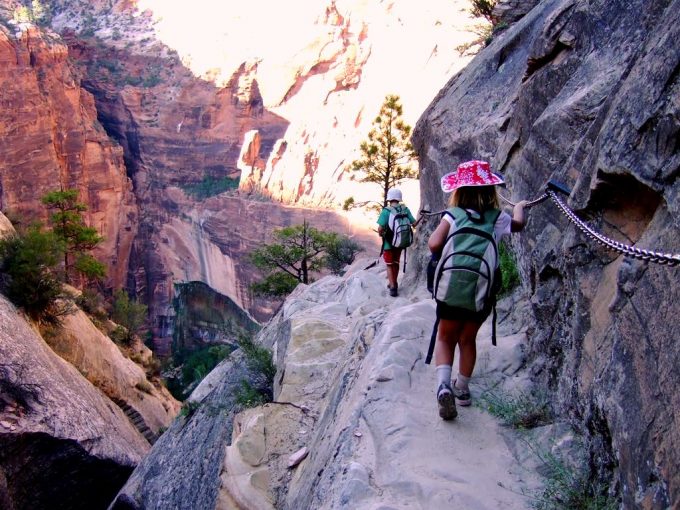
pixel 341 254
pixel 128 313
pixel 259 359
pixel 92 303
pixel 483 9
pixel 522 411
pixel 211 186
pixel 248 396
pixel 508 265
pixel 120 336
pixel 275 285
pixel 193 367
pixel 189 408
pixel 28 265
pixel 151 80
pixel 200 363
pixel 568 487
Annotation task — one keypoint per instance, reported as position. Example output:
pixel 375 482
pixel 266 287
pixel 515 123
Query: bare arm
pixel 438 237
pixel 518 217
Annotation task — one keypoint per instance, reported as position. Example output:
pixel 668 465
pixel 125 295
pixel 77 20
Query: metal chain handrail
pixel 529 205
pixel 667 259
pixel 630 251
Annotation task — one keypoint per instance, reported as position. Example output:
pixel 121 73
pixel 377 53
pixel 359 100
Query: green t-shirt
pixel 385 216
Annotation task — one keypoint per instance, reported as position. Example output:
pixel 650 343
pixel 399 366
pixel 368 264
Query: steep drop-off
pixel 587 93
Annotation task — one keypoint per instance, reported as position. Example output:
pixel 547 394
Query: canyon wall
pixel 587 93
pixel 50 139
pixel 354 421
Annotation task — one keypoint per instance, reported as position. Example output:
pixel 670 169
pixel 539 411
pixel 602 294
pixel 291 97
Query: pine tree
pixel 387 154
pixel 298 251
pixel 78 239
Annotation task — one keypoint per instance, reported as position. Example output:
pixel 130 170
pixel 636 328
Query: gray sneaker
pixel 463 396
pixel 447 404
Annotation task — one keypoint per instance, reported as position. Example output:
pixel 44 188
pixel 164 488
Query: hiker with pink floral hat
pixel 467 276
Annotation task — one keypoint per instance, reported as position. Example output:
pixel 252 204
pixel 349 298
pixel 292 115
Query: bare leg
pixel 391 275
pixel 467 343
pixel 447 338
pixel 395 274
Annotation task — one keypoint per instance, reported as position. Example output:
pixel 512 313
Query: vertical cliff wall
pixel 587 93
pixel 50 138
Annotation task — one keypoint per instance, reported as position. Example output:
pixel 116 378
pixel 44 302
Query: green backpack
pixel 399 231
pixel 466 275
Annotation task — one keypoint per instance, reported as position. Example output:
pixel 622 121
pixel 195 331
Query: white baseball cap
pixel 394 194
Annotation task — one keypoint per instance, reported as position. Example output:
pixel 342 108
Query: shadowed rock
pixel 62 443
pixel 586 93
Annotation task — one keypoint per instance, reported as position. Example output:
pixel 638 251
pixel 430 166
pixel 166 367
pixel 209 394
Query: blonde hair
pixel 477 198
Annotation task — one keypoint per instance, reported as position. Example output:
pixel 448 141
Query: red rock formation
pixel 50 138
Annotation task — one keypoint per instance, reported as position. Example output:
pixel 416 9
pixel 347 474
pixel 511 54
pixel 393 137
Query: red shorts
pixel 392 256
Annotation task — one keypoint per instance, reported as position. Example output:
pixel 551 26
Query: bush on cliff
pixel 130 315
pixel 298 251
pixel 28 273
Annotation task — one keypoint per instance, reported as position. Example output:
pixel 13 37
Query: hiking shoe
pixel 462 396
pixel 447 404
pixel 394 292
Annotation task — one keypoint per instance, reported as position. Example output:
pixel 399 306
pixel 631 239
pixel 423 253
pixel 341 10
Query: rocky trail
pixel 353 390
pixel 405 456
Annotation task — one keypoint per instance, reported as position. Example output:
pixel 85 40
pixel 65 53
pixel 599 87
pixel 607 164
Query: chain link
pixel 630 251
pixel 667 259
pixel 529 204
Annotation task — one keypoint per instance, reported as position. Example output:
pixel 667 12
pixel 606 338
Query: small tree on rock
pixel 129 314
pixel 298 251
pixel 78 239
pixel 387 155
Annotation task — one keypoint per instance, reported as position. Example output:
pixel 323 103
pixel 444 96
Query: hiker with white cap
pixel 467 276
pixel 394 226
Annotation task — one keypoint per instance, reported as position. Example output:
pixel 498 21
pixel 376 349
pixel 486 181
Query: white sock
pixel 462 381
pixel 443 375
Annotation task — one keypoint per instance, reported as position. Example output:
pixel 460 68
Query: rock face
pixel 61 441
pixel 283 114
pixel 50 138
pixel 586 93
pixel 352 391
pixel 287 109
pixel 101 362
pixel 184 470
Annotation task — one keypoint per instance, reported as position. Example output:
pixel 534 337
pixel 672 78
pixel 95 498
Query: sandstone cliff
pixel 125 382
pixel 62 443
pixel 50 138
pixel 586 93
pixel 281 114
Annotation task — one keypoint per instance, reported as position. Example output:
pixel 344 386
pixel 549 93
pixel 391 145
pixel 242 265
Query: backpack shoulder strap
pixel 492 215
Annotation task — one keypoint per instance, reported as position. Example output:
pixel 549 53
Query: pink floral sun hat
pixel 470 173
